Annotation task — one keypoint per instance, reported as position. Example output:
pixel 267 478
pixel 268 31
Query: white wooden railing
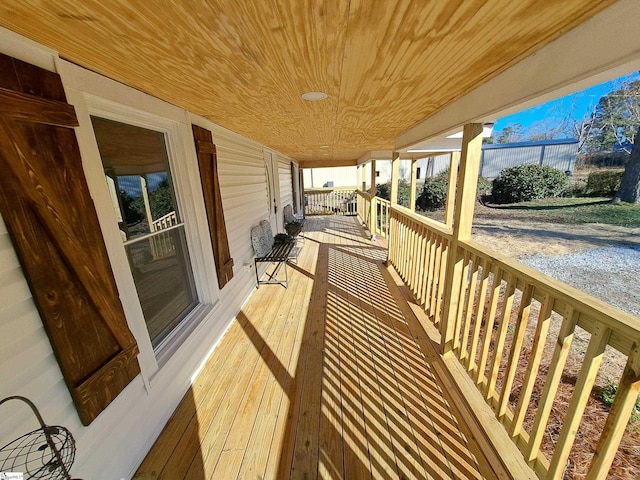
pixel 166 221
pixel 330 201
pixel 382 210
pixel 162 244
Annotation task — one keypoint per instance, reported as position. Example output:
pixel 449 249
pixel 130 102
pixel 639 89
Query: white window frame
pixel 101 97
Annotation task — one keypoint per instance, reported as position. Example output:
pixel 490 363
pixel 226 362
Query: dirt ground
pixel 518 239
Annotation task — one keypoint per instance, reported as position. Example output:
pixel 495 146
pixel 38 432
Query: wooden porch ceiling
pixel 330 378
pixel 385 65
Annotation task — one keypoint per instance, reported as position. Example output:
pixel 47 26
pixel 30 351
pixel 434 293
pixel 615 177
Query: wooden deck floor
pixel 324 379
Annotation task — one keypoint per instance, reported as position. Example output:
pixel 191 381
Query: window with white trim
pixel 138 176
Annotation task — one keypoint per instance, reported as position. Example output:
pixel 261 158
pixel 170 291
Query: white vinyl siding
pixel 27 366
pixel 243 188
pixel 286 191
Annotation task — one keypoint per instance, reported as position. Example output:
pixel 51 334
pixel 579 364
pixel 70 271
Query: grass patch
pixel 572 211
pixel 608 395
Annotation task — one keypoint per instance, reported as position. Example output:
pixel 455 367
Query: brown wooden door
pixel 50 216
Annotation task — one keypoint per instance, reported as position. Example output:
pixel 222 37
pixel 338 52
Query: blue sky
pixel 575 105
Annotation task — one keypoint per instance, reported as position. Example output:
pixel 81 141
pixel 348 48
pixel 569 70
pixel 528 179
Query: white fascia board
pixel 25 49
pixel 604 47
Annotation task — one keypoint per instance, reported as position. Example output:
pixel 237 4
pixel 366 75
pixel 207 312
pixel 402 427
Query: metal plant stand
pixel 47 452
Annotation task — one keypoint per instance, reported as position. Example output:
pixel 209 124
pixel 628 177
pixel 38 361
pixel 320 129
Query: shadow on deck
pixel 331 378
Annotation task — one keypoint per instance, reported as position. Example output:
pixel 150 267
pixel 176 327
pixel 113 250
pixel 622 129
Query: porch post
pixel 462 221
pixel 147 204
pixel 373 178
pixel 303 195
pixel 373 205
pixel 358 183
pixel 412 191
pixel 395 173
pixel 451 188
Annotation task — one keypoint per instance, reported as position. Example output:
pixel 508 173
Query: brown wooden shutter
pixel 208 163
pixel 50 216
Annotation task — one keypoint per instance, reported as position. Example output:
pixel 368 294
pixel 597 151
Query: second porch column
pixel 462 221
pixel 414 179
pixel 395 173
pixel 303 201
pixel 392 248
pixel 451 188
pixel 373 213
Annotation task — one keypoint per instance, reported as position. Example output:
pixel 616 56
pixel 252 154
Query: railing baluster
pixel 507 306
pixel 424 266
pixel 414 259
pixel 430 274
pixel 516 346
pixel 496 286
pixel 468 317
pixel 560 355
pixel 478 314
pixel 542 328
pixel 579 399
pixel 438 281
pixel 623 405
pixel 464 285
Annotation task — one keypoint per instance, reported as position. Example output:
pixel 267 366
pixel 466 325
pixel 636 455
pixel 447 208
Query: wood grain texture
pixel 208 164
pixel 50 216
pixel 384 65
pixel 329 378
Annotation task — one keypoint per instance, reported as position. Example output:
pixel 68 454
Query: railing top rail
pixel 168 215
pixel 364 195
pixel 329 189
pixel 428 222
pixel 625 325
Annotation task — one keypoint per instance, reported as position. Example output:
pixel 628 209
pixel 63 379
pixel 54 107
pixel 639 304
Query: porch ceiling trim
pixel 320 163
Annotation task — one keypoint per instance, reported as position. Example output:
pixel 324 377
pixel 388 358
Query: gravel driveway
pixel 610 274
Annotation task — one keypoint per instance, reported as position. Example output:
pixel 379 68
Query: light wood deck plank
pixel 329 378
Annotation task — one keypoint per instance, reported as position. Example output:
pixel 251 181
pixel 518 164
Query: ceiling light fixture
pixel 314 96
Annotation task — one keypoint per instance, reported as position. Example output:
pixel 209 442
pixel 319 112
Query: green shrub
pixel 434 192
pixel 575 188
pixel 404 189
pixel 484 185
pixel 528 182
pixel 604 182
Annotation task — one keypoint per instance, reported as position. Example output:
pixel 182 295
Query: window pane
pixel 163 280
pixel 139 179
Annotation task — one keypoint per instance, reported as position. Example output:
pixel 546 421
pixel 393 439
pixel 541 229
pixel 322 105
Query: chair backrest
pixel 288 214
pixel 262 238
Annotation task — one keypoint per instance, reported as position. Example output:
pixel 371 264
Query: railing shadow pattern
pixel 369 405
pixel 324 379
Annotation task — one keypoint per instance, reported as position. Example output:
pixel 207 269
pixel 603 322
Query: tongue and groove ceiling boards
pixel 385 64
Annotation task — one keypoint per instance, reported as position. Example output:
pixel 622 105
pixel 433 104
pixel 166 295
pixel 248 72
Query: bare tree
pixel 629 190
